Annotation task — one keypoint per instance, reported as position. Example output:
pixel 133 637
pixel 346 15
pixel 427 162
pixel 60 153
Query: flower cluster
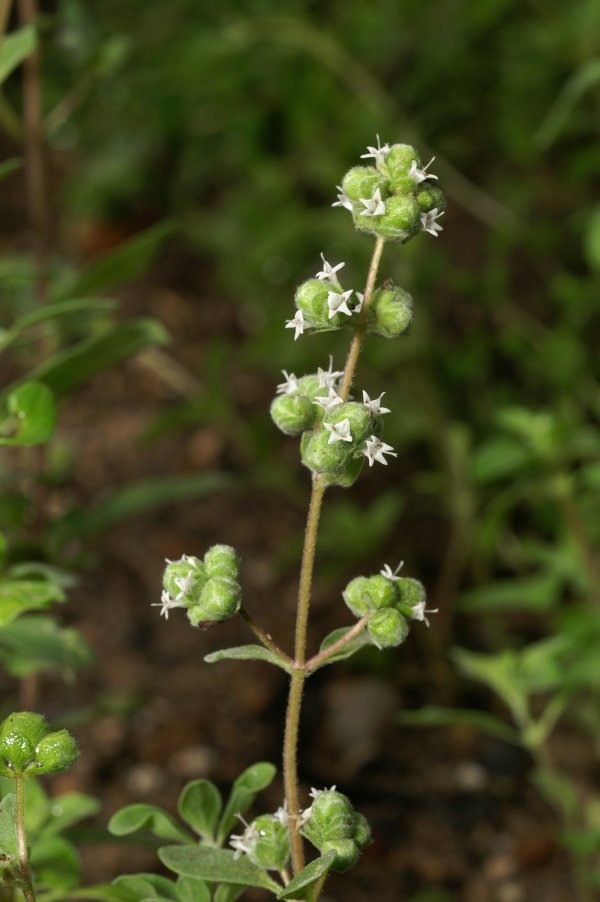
pixel 321 303
pixel 266 841
pixel 28 747
pixel 390 601
pixel 332 824
pixel 208 589
pixel 392 198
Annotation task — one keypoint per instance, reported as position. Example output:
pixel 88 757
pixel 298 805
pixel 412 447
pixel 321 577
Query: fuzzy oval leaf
pixel 32 415
pixel 20 595
pixel 243 792
pixel 38 644
pixel 14 48
pixel 246 653
pixel 148 885
pixel 432 716
pixel 8 834
pixel 52 312
pixel 147 817
pixel 215 866
pixel 200 805
pixel 348 650
pixel 190 889
pixel 299 886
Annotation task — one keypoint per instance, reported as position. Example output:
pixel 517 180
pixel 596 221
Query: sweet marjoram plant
pixel 291 851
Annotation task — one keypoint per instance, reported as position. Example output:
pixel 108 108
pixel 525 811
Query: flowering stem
pixel 264 637
pixel 27 887
pixel 297 678
pixel 318 660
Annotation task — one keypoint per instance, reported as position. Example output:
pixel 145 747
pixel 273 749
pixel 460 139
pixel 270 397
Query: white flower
pixel 330 401
pixel 378 153
pixel 375 449
pixel 289 386
pixel 339 432
pixel 184 584
pixel 419 175
pixel 298 323
pixel 338 303
pixel 392 574
pixel 419 612
pixel 328 273
pixel 361 298
pixel 244 842
pixel 374 406
pixel 281 815
pixel 328 378
pixel 428 222
pixel 167 603
pixel 374 206
pixel 343 200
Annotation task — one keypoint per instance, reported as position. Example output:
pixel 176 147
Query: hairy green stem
pixel 27 887
pixel 323 656
pixel 264 637
pixel 297 678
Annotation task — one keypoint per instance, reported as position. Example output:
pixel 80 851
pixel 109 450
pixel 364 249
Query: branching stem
pixel 264 637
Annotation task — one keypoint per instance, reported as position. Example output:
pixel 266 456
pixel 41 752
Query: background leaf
pixel 243 792
pixel 215 866
pixel 14 48
pixel 32 415
pixel 147 817
pixel 200 805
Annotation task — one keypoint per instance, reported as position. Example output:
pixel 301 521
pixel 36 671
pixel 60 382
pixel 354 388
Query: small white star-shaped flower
pixel 166 604
pixel 361 298
pixel 328 273
pixel 184 584
pixel 378 153
pixel 338 303
pixel 298 323
pixel 244 842
pixel 339 432
pixel 375 449
pixel 328 378
pixel 374 206
pixel 392 574
pixel 289 386
pixel 419 175
pixel 343 200
pixel 374 406
pixel 419 612
pixel 429 224
pixel 282 815
pixel 329 402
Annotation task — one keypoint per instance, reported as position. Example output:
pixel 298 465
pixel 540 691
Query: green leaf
pixel 20 595
pixel 500 673
pixel 148 885
pixel 348 650
pixel 243 792
pixel 119 266
pixel 32 415
pixel 14 48
pixel 69 809
pixel 299 886
pixel 538 593
pixel 499 458
pixel 63 372
pixel 147 817
pixel 38 644
pixel 131 500
pixel 200 805
pixel 106 892
pixel 7 167
pixel 228 892
pixel 246 653
pixel 8 833
pixel 190 889
pixel 215 866
pixel 432 716
pixel 55 862
pixel 51 312
pixel 558 789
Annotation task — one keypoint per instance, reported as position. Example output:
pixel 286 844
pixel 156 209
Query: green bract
pixel 387 628
pixel 411 593
pixel 431 198
pixel 311 298
pixel 390 313
pixel 220 599
pixel 222 560
pixel 28 746
pixel 293 413
pixel 361 182
pixel 401 220
pixel 55 752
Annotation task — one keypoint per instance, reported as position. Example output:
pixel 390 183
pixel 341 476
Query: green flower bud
pixel 362 831
pixel 398 163
pixel 360 419
pixel 387 628
pixel 220 599
pixel 390 313
pixel 347 853
pixel 270 848
pixel 222 560
pixel 356 597
pixel 331 817
pixel 401 220
pixel 361 182
pixel 184 579
pixel 411 594
pixel 55 752
pixel 311 298
pixel 322 457
pixel 431 198
pixel 380 592
pixel 293 413
pixel 19 735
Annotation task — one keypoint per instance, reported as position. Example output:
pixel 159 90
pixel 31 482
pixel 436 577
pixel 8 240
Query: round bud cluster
pixel 266 841
pixel 208 589
pixel 392 198
pixel 27 746
pixel 390 312
pixel 337 447
pixel 390 601
pixel 331 823
pixel 295 409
